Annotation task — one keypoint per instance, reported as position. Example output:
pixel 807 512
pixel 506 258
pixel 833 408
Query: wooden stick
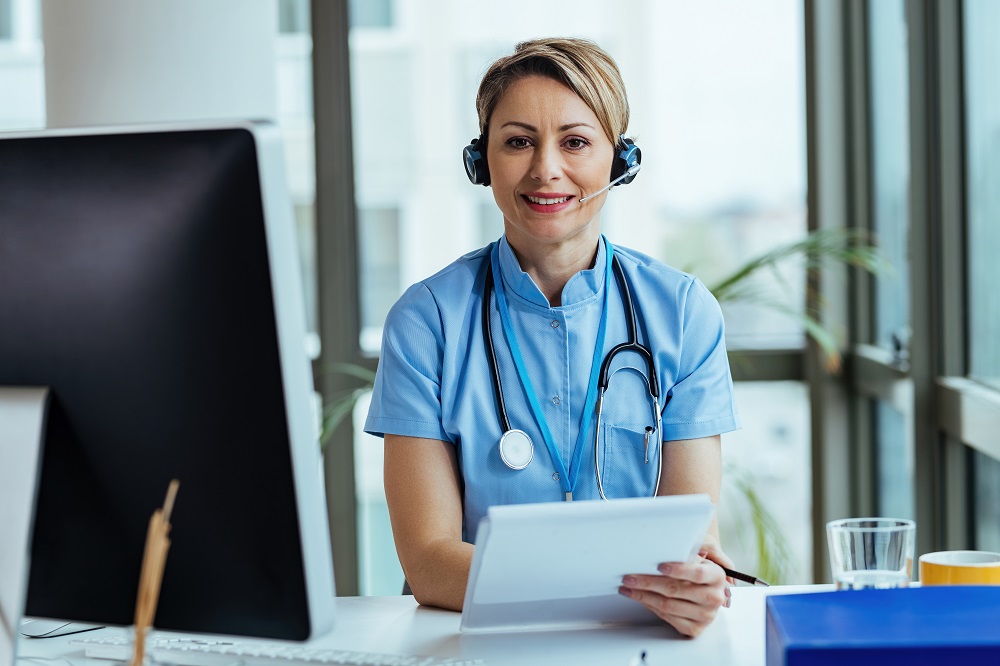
pixel 154 560
pixel 168 504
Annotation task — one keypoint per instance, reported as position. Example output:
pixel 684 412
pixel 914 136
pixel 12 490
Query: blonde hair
pixel 579 64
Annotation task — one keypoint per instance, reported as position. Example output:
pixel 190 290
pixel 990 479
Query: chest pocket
pixel 624 468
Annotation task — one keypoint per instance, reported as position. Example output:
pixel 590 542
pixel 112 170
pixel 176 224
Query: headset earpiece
pixel 627 157
pixel 474 156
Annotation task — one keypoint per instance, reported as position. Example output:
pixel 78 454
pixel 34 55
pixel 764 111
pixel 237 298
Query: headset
pixel 623 169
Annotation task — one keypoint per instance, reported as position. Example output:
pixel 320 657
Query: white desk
pixel 398 624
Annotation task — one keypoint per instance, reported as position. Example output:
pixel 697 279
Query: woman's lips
pixel 547 202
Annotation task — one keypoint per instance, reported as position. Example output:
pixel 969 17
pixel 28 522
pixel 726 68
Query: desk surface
pixel 399 625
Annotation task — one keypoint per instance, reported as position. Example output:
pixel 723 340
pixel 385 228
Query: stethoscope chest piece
pixel 516 449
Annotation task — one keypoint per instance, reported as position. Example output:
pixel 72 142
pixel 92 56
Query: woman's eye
pixel 518 142
pixel 576 143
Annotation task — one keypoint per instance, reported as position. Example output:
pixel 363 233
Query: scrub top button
pixel 556 400
pixel 555 323
pixel 555 476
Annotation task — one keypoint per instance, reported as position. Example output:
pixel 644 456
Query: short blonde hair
pixel 579 64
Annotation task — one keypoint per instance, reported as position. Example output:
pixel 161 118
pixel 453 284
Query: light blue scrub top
pixel 434 379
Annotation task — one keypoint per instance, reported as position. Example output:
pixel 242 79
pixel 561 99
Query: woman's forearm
pixel 439 572
pixel 425 507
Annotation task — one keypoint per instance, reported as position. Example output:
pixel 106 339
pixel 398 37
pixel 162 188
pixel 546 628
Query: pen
pixel 746 578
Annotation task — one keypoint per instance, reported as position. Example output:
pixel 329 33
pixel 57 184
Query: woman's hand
pixel 686 595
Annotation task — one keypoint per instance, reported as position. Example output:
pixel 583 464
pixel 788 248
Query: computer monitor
pixel 150 278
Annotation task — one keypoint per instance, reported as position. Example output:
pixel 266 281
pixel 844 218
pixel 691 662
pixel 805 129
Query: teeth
pixel 547 202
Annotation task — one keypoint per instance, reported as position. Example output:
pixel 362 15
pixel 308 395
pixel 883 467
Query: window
pixel 987 501
pixel 890 165
pixel 982 57
pixel 890 176
pixel 6 19
pixel 982 126
pixel 370 13
pixel 293 16
pixel 774 473
pixel 378 231
pixel 894 464
pixel 22 69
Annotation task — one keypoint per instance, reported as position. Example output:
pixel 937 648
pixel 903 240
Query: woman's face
pixel 546 151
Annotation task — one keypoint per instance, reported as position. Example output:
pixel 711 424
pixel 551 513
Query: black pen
pixel 746 578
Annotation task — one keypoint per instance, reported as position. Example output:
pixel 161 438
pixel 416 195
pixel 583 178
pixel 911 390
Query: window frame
pixel 952 415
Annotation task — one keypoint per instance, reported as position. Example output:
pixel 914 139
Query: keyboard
pixel 207 652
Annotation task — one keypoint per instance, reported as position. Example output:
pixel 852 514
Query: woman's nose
pixel 547 164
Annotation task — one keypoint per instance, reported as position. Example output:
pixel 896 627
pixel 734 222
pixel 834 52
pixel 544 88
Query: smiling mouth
pixel 545 201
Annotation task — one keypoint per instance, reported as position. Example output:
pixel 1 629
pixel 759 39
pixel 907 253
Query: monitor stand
pixel 23 415
pixel 22 424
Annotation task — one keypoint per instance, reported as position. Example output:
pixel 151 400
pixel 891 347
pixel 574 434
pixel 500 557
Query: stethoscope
pixel 516 447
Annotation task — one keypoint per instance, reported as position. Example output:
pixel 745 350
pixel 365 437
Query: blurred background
pixel 764 126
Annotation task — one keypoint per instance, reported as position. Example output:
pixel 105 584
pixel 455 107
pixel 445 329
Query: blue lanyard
pixel 566 479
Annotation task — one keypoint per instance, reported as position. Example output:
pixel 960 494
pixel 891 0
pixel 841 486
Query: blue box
pixel 914 626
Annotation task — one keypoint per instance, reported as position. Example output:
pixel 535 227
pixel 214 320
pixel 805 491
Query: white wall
pixel 121 61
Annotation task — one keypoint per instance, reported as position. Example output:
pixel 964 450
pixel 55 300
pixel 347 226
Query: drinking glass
pixel 871 553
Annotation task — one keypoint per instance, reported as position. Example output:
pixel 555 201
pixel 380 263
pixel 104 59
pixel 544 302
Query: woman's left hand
pixel 686 595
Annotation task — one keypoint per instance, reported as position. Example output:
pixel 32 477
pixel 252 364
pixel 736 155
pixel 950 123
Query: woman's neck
pixel 552 265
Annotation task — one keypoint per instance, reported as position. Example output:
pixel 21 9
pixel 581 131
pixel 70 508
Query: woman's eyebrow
pixel 532 128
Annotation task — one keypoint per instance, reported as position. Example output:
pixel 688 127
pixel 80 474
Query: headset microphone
pixel 632 170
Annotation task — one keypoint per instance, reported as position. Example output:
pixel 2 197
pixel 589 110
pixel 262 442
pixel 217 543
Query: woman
pixel 552 118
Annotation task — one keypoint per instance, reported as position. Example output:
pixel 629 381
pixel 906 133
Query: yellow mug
pixel 960 567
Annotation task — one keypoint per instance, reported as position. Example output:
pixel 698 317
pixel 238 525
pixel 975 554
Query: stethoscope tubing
pixel 490 352
pixel 633 345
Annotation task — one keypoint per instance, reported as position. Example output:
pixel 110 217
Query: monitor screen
pixel 150 279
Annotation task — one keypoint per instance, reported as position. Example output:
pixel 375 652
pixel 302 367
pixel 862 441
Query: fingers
pixel 711 550
pixel 687 596
pixel 687 618
pixel 699 572
pixel 703 588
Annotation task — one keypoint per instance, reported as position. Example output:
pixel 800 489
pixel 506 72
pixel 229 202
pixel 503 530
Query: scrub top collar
pixel 583 286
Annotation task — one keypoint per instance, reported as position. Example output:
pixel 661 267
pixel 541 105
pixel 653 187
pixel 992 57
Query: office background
pixel 759 122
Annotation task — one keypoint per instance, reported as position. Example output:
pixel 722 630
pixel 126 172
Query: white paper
pixel 577 551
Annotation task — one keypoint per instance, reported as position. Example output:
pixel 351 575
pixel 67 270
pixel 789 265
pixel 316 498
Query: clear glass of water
pixel 871 553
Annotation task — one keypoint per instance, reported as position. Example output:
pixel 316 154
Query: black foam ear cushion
pixel 474 157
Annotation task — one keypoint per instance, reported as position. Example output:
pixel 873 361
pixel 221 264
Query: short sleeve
pixel 406 398
pixel 701 401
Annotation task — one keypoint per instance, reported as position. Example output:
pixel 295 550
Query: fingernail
pixel 664 568
pixel 624 591
pixel 702 553
pixel 629 580
pixel 729 593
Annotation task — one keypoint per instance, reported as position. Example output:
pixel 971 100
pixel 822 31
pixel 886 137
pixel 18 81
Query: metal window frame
pixel 337 265
pixel 835 485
